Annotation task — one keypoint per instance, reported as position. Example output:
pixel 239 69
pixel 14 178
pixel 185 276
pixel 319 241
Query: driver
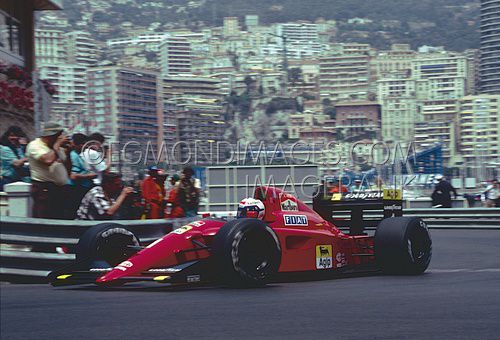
pixel 251 208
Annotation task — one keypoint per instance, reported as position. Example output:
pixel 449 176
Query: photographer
pixel 105 201
pixel 49 171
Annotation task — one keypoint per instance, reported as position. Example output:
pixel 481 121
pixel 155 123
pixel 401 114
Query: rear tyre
pixel 105 244
pixel 403 246
pixel 246 252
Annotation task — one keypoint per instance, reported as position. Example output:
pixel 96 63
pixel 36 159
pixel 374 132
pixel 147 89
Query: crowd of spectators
pixel 71 178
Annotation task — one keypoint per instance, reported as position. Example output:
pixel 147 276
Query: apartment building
pixel 358 120
pixel 441 76
pixel 123 106
pixel 81 48
pixel 49 46
pixel 490 46
pixel 397 59
pixel 298 32
pixel 70 100
pixel 480 133
pixel 231 27
pixel 175 56
pixel 344 77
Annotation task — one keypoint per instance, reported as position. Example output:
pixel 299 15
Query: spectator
pixel 493 195
pixel 358 187
pixel 378 184
pixel 103 202
pixel 153 193
pixel 13 161
pixel 174 209
pixel 80 178
pixel 441 197
pixel 188 193
pixel 94 156
pixel 335 186
pixel 47 157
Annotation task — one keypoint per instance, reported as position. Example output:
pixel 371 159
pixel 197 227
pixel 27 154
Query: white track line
pixel 465 270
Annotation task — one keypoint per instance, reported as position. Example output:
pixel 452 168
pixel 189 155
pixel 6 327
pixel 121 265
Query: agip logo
pixel 324 256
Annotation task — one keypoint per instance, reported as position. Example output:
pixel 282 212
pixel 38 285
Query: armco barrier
pixel 31 248
pixel 28 245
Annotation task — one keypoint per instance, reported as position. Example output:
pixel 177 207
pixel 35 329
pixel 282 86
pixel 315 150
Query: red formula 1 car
pixel 277 237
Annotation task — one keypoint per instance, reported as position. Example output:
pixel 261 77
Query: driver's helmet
pixel 251 207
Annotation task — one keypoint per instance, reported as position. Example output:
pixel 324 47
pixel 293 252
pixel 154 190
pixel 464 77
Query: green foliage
pixel 279 104
pixel 455 25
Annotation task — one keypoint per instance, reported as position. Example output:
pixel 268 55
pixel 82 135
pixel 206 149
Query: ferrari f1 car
pixel 275 235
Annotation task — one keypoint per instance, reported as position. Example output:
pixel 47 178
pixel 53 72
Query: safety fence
pixel 31 248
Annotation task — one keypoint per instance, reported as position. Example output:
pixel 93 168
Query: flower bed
pixel 16 87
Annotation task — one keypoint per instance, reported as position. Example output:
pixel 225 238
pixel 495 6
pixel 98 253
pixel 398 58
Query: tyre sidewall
pixel 226 246
pixel 87 249
pixel 392 250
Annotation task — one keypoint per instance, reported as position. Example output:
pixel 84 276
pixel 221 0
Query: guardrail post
pixel 19 199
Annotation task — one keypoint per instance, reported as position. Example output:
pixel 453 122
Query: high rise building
pixel 176 56
pixel 192 113
pixel 231 27
pixel 397 97
pixel 299 32
pixel 251 22
pixel 490 46
pixel 344 77
pixel 70 100
pixel 441 76
pixel 81 48
pixel 439 125
pixel 122 104
pixel 397 59
pixel 49 46
pixel 480 134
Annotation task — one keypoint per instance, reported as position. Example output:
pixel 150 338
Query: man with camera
pixel 104 202
pixel 49 171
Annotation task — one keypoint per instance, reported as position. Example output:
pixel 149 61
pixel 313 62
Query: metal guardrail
pixel 31 247
pixel 490 216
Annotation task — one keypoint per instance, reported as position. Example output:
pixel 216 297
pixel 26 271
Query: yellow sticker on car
pixel 393 194
pixel 337 197
pixel 324 256
pixel 182 229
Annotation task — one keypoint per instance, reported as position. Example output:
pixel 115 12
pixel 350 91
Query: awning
pixel 44 5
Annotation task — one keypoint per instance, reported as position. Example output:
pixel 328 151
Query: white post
pixel 19 199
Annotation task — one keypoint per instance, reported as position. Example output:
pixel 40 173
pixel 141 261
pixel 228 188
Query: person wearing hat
pixel 441 196
pixel 153 193
pixel 49 171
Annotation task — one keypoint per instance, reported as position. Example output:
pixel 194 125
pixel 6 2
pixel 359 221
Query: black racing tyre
pixel 246 252
pixel 403 245
pixel 106 242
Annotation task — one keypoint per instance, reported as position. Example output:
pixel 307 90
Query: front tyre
pixel 246 252
pixel 105 244
pixel 403 246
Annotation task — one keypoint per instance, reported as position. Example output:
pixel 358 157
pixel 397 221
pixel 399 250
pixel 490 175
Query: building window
pixel 10 34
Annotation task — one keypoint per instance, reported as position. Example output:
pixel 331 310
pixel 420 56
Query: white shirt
pixel 95 163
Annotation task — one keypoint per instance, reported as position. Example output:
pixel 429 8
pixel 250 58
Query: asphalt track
pixel 458 298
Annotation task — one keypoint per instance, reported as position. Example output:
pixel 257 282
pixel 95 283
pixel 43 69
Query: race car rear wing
pixel 358 210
